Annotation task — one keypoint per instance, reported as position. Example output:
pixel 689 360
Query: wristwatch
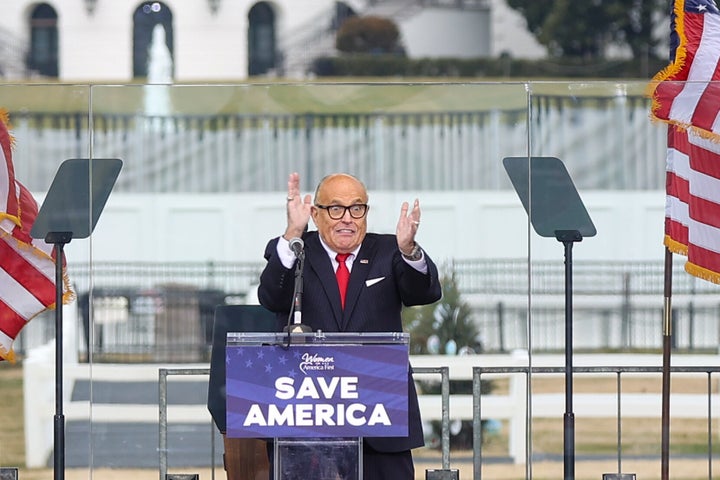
pixel 415 254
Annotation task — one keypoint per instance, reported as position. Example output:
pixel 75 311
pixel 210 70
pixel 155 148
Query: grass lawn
pixel 12 443
pixel 358 95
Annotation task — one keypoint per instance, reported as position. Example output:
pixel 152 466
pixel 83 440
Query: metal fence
pixel 164 311
pixel 621 401
pixel 625 406
pixel 609 144
pixel 164 373
pixel 620 328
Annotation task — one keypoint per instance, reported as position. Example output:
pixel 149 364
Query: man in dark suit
pixel 386 272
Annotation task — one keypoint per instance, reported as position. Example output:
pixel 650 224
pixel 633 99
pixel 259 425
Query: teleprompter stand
pixel 555 210
pixel 70 210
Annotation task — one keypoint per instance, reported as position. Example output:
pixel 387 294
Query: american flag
pixel 686 95
pixel 27 266
pixel 684 92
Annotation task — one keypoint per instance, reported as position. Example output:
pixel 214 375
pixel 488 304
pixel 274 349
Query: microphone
pixel 297 245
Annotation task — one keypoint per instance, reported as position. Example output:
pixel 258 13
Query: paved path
pixel 133 443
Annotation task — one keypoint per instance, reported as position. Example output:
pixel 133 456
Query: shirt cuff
pixel 419 265
pixel 286 256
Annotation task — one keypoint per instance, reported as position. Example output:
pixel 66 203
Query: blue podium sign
pixel 317 390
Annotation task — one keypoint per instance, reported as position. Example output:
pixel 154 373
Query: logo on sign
pixel 316 363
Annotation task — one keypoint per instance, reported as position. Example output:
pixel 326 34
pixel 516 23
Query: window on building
pixel 146 17
pixel 261 39
pixel 43 54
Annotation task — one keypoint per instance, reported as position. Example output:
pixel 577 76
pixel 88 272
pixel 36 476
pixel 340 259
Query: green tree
pixel 446 327
pixel 446 324
pixel 587 28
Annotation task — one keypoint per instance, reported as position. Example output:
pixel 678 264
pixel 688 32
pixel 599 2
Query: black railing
pixel 433 150
pixel 164 311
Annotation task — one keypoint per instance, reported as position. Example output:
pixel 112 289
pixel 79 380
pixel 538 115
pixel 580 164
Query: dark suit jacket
pixel 368 308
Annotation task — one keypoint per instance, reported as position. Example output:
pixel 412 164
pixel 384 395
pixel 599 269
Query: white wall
pixel 455 225
pixel 441 32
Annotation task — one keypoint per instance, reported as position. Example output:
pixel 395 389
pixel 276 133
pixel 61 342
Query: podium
pixel 315 396
pixel 243 458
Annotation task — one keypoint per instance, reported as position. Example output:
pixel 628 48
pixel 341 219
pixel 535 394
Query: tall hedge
pixel 367 65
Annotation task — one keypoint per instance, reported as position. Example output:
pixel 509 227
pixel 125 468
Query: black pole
pixel 59 239
pixel 59 450
pixel 568 237
pixel 71 207
pixel 667 348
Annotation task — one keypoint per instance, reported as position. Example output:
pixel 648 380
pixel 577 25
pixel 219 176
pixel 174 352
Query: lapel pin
pixel 365 261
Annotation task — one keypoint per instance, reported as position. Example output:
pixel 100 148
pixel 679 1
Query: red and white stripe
pixel 677 186
pixel 27 267
pixel 26 288
pixel 686 95
pixel 692 216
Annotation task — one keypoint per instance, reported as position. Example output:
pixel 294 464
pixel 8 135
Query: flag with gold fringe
pixel 686 95
pixel 27 265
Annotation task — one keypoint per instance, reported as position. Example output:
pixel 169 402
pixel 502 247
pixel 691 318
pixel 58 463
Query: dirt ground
pixel 680 469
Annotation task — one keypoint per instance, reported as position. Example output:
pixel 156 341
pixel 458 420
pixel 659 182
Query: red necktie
pixel 343 275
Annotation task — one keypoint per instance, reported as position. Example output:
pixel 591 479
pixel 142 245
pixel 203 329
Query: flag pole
pixel 667 346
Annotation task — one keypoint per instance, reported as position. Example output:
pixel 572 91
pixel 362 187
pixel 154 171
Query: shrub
pixel 368 34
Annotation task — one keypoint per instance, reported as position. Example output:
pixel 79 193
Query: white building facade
pixel 102 41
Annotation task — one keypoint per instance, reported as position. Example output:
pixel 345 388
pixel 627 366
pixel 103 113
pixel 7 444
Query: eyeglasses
pixel 336 212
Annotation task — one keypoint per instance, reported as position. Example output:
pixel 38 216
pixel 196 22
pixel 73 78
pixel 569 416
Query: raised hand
pixel 407 226
pixel 298 208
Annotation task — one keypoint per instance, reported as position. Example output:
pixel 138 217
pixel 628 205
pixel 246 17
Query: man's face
pixel 345 234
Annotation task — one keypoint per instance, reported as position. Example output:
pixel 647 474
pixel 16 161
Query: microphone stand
pixel 296 310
